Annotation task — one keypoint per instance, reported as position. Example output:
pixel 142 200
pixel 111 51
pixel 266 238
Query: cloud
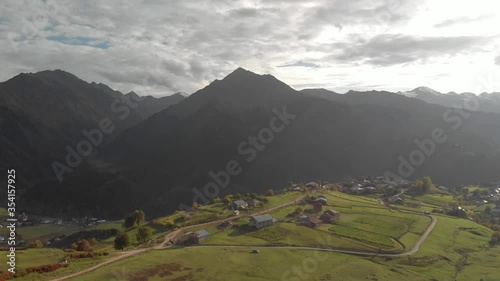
pixel 391 49
pixel 497 60
pixel 461 20
pixel 301 64
pixel 183 45
pixel 83 41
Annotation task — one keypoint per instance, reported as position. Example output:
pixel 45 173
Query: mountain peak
pixel 425 90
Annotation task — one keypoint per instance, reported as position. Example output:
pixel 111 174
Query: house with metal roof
pixel 201 236
pixel 239 205
pixel 261 221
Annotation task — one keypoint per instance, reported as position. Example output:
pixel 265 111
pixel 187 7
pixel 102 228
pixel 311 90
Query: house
pixel 330 216
pixel 225 224
pixel 296 188
pixel 303 219
pixel 236 213
pixel 261 221
pixel 333 213
pixel 358 190
pixel 320 198
pixel 317 206
pixel 396 200
pixel 201 236
pixel 239 204
pixel 313 222
pixel 371 189
pixel 312 184
pixel 254 203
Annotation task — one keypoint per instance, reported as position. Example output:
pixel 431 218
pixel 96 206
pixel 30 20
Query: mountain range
pixel 244 133
pixel 485 102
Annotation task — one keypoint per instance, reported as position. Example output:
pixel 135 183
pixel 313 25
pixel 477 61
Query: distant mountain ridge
pixel 171 157
pixel 485 102
pixel 42 113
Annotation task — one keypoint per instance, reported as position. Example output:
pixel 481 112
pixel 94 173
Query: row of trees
pixel 123 239
pixel 142 235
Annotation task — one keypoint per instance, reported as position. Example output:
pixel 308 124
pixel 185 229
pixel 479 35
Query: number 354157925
pixel 11 188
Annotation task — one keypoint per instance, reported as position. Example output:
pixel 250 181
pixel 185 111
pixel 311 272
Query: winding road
pixel 173 234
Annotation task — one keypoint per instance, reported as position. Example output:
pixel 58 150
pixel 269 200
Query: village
pixel 313 209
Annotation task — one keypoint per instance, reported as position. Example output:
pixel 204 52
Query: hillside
pixel 157 164
pixel 43 113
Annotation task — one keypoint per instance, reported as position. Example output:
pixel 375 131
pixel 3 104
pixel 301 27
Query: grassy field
pixel 456 248
pixel 41 231
pixel 47 256
pixel 227 264
pixel 191 264
pixel 365 225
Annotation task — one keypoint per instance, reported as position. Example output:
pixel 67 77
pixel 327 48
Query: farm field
pixel 365 225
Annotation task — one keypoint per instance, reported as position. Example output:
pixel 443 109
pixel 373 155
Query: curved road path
pixel 174 233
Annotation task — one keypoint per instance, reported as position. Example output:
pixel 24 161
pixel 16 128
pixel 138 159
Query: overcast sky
pixel 160 47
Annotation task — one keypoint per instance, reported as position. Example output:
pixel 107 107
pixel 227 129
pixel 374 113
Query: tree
pixel 122 241
pixel 74 246
pixel 427 183
pixel 135 218
pixel 216 200
pixel 195 205
pixel 129 222
pixel 270 192
pixel 419 184
pixel 299 210
pixel 143 234
pixel 83 246
pixel 140 217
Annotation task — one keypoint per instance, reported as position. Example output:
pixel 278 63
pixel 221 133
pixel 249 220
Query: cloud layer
pixel 160 47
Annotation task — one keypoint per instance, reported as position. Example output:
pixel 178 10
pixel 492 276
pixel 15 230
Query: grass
pixel 41 231
pixel 456 248
pixel 45 256
pixel 365 236
pixel 225 264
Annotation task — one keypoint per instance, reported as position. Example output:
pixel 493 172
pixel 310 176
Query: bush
pixel 35 244
pixel 82 255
